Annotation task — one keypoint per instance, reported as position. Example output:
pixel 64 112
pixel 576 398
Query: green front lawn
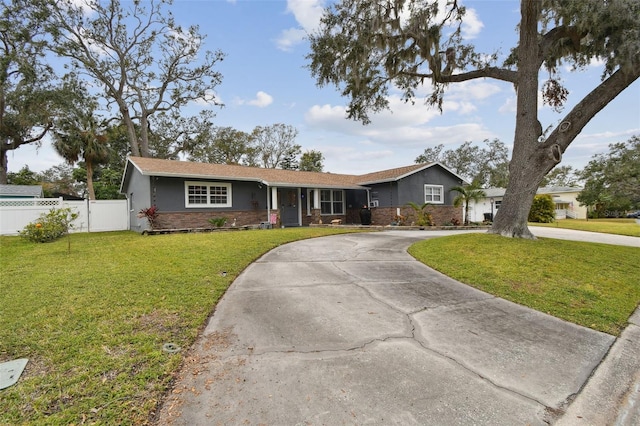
pixel 608 226
pixel 93 316
pixel 594 285
pixel 93 321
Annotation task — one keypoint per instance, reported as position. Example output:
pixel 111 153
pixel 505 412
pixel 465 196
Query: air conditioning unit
pixel 373 203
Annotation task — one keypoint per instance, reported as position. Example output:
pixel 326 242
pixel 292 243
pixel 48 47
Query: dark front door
pixel 289 207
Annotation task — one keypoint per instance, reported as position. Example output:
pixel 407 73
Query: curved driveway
pixel 351 330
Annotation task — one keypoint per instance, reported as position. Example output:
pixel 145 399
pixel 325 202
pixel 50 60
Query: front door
pixel 289 206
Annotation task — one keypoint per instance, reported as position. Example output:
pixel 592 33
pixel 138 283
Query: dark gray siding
pixel 411 188
pixel 386 194
pixel 169 195
pixel 356 198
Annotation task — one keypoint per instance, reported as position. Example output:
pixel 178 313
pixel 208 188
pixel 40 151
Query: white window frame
pixel 332 202
pixel 440 189
pixel 208 204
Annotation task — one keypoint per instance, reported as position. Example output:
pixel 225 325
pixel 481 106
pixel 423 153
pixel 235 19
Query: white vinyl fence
pixel 94 216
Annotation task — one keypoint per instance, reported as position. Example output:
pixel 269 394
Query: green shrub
pixel 218 221
pixel 543 209
pixel 49 226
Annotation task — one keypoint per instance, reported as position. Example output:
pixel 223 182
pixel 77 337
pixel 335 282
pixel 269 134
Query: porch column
pixel 272 199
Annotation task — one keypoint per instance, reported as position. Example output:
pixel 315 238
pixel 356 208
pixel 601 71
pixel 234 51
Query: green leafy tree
pixel 23 177
pixel 60 179
pixel 612 180
pixel 146 63
pixel 225 145
pixel 561 176
pixel 364 47
pixel 31 94
pixel 542 209
pixel 290 161
pixel 467 194
pixel 489 166
pixel 273 145
pixel 173 134
pixel 311 161
pixel 82 137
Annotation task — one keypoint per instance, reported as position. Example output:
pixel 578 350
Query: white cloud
pixel 473 90
pixel 405 127
pixel 261 100
pixel 290 38
pixel 307 14
pixel 509 106
pixel 471 25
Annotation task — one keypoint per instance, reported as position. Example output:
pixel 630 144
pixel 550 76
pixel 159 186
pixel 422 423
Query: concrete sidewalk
pixel 584 236
pixel 351 330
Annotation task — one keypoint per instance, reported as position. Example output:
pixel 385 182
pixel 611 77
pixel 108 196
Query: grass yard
pixel 93 320
pixel 608 226
pixel 594 285
pixel 93 311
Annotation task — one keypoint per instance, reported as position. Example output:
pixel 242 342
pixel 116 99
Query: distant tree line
pixel 127 72
pixel 610 181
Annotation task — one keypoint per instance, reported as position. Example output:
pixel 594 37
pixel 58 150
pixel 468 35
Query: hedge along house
pixel 188 194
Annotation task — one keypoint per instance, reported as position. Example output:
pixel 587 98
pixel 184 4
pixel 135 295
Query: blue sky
pixel 265 82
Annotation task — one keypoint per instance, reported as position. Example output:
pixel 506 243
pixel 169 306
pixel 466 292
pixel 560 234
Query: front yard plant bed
pixel 197 230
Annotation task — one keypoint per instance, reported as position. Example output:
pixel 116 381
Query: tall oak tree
pixel 366 46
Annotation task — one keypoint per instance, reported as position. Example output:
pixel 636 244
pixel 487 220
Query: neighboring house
pixel 188 194
pixel 20 191
pixel 564 199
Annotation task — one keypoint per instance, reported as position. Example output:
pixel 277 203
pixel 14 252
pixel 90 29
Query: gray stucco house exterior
pixel 188 194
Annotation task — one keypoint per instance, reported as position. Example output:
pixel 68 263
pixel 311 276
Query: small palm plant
pixel 466 194
pixel 423 217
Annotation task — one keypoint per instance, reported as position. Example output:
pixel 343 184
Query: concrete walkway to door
pixel 351 330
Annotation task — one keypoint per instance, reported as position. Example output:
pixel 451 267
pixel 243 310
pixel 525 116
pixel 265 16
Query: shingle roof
pixel 271 177
pixel 392 174
pixel 21 190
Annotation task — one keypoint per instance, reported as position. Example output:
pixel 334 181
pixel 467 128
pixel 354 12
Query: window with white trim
pixel 207 194
pixel 331 201
pixel 434 194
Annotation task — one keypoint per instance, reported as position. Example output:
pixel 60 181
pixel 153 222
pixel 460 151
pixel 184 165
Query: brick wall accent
pixel 380 216
pixel 440 215
pixel 313 218
pixel 193 220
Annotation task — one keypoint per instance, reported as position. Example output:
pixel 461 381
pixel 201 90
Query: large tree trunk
pixel 529 161
pixel 143 141
pixel 92 192
pixel 511 218
pixel 131 131
pixel 4 167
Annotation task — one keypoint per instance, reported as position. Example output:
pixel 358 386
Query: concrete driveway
pixel 351 330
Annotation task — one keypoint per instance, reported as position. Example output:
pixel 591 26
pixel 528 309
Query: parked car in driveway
pixel 635 214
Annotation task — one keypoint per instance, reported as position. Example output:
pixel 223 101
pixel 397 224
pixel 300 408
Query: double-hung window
pixel 434 194
pixel 207 194
pixel 331 201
